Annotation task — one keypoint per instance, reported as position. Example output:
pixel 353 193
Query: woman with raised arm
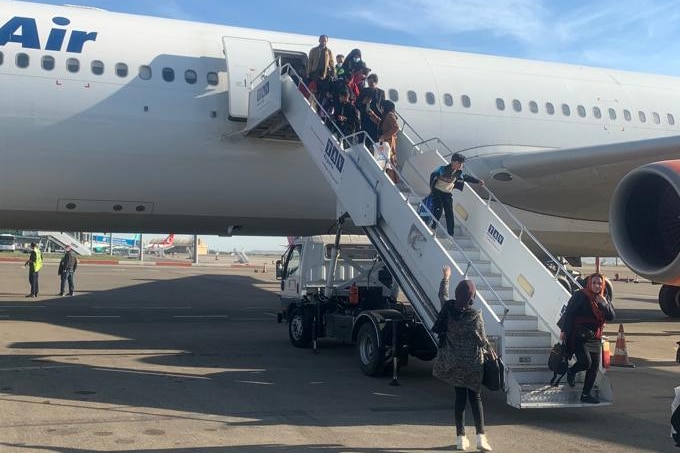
pixel 460 360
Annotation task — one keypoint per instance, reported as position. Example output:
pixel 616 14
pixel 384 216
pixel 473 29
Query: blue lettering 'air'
pixel 56 38
pixel 22 30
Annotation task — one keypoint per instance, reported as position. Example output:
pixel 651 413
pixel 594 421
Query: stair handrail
pixel 523 230
pixel 470 265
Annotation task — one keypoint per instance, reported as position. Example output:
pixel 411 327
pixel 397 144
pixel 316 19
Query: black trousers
pixel 33 281
pixel 588 360
pixel 443 201
pixel 462 395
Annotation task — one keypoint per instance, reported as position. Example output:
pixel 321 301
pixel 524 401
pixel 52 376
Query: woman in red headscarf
pixel 584 320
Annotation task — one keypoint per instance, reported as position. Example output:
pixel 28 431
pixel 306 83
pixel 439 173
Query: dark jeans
pixel 587 358
pixel 33 281
pixel 462 395
pixel 443 201
pixel 67 274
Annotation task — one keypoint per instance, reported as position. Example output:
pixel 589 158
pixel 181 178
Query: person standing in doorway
pixel 442 182
pixel 320 67
pixel 67 269
pixel 34 264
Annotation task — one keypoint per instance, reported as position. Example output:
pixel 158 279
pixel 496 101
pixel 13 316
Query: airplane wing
pixel 574 183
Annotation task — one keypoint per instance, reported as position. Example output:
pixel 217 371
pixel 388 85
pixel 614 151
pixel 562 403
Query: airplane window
pixel 465 100
pixel 121 70
pixel 97 67
pixel 533 107
pixel 550 108
pixel 500 104
pixel 145 72
pixel 627 116
pixel 190 76
pixel 394 95
pixel 597 113
pixel 22 60
pixel 213 78
pixel 612 113
pixel 566 110
pixel 412 96
pixel 73 65
pixel 642 116
pixel 581 111
pixel 429 98
pixel 47 62
pixel 671 119
pixel 448 100
pixel 168 74
pixel 657 118
pixel 516 105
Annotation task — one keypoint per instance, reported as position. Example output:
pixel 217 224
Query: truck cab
pixel 339 288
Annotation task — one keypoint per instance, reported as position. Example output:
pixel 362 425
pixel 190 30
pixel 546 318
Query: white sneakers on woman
pixel 483 443
pixel 462 443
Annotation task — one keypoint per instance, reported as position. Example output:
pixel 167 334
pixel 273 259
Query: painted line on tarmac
pixel 273 315
pixel 30 368
pixel 201 316
pixel 132 307
pixel 90 317
pixel 24 306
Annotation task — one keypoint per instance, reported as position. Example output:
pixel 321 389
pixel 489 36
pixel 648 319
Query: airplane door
pixel 246 58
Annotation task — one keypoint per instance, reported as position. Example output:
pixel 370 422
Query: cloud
pixel 519 19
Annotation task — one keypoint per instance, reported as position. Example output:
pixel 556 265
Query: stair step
pixel 526 356
pixel 531 374
pixel 527 339
pixel 521 322
pixel 515 307
pixel 504 292
pixel 538 396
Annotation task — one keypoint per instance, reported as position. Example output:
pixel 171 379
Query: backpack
pixel 558 363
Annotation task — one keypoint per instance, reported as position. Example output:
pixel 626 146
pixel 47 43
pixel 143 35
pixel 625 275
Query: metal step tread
pixel 527 350
pixel 520 317
pixel 526 333
pixel 546 396
pixel 529 368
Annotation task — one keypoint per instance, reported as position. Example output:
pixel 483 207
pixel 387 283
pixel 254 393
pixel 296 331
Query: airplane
pixel 86 89
pixel 100 243
pixel 160 247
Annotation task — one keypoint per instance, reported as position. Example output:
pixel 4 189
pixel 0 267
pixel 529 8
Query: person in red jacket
pixel 584 319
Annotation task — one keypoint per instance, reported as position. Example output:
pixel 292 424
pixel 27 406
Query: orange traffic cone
pixel 606 353
pixel 620 353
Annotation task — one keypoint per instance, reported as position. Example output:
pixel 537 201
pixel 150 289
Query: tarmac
pixel 191 359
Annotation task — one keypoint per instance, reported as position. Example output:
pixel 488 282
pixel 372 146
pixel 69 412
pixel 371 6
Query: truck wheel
pixel 371 356
pixel 300 329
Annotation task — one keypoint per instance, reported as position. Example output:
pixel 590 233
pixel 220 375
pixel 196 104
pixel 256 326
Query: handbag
pixel 494 371
pixel 584 334
pixel 558 363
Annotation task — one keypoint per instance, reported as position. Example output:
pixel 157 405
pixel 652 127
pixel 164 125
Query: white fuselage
pixel 115 145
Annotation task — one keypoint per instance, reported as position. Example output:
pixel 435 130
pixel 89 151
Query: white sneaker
pixel 482 443
pixel 462 443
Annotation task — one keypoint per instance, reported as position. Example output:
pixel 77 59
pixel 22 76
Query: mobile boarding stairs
pixel 520 298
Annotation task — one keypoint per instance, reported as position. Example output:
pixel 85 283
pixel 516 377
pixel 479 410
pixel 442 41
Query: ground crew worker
pixel 34 264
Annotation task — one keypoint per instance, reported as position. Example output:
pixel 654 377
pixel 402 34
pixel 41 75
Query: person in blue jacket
pixel 442 182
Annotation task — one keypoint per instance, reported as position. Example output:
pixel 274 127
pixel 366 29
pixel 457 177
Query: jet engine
pixel 644 222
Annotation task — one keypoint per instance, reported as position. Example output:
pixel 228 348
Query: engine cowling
pixel 644 221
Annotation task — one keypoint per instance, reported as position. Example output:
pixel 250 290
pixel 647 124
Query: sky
pixel 641 35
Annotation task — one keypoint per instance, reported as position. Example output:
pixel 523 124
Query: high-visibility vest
pixel 38 260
